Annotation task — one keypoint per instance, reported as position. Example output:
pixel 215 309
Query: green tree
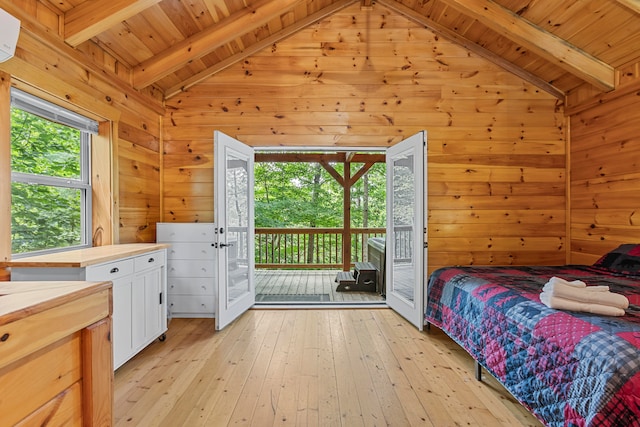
pixel 305 195
pixel 296 195
pixel 368 197
pixel 44 216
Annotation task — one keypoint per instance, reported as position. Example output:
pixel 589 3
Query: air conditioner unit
pixel 9 31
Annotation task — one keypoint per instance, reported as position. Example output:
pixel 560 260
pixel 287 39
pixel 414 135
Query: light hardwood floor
pixel 331 367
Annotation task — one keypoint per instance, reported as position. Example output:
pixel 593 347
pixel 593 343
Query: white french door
pixel 234 206
pixel 406 228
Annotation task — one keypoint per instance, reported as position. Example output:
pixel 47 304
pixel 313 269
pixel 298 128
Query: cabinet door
pixel 138 327
pixel 121 318
pixel 147 315
pixel 153 303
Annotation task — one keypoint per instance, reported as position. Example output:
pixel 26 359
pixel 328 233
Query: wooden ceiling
pixel 172 45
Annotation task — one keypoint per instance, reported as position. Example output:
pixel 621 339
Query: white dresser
pixel 191 271
pixel 138 273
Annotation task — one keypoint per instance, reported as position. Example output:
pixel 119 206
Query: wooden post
pixel 346 225
pixel 97 374
pixel 5 170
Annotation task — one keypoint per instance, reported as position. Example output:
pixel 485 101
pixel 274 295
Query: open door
pixel 233 206
pixel 406 228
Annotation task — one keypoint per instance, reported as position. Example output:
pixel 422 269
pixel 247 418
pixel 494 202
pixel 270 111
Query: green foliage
pixel 41 147
pixel 296 195
pixel 305 195
pixel 44 216
pixel 376 183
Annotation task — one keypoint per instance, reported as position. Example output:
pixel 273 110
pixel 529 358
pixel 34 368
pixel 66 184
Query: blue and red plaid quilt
pixel 567 368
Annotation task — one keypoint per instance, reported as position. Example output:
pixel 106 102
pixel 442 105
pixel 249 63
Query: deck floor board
pixel 308 282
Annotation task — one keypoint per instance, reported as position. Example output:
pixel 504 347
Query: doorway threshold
pixel 317 305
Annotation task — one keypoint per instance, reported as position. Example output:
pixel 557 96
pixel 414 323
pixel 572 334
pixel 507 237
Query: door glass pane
pixel 237 223
pixel 403 226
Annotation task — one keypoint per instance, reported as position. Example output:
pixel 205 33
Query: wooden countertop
pixel 85 257
pixel 22 299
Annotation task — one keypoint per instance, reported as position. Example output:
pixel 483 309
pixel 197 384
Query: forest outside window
pixel 50 176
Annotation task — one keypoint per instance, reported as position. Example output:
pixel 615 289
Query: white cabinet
pixel 139 295
pixel 190 268
pixel 139 312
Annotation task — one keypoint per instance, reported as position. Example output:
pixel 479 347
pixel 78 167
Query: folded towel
pixel 564 304
pixel 550 286
pixel 583 295
pixel 574 283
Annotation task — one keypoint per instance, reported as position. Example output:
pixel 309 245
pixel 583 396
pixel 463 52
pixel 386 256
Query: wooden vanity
pixel 56 365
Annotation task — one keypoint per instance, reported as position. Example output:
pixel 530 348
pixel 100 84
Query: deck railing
pixel 302 248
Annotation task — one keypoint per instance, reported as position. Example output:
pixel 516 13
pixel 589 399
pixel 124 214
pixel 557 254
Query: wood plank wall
pixel 361 78
pixel 126 172
pixel 5 173
pixel 139 183
pixel 605 165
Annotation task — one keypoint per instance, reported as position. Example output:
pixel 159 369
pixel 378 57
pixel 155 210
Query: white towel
pixel 579 284
pixel 583 295
pixel 548 287
pixel 564 304
pixel 574 283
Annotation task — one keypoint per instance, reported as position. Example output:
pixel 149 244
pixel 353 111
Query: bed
pixel 567 368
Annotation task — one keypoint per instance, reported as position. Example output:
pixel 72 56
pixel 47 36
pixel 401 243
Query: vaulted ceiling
pixel 175 44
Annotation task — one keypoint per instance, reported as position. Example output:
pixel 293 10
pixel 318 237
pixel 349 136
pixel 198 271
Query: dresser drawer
pixel 150 260
pixel 110 270
pixel 187 251
pixel 189 268
pixel 190 286
pixel 191 305
pixel 185 232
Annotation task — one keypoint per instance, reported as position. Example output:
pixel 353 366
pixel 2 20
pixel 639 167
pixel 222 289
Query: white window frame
pixel 87 127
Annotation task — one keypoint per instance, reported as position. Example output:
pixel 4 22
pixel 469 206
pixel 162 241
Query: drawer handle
pixel 114 270
pixel 151 260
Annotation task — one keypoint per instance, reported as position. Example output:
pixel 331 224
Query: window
pixel 50 176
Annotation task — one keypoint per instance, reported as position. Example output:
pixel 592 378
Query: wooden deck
pixel 307 282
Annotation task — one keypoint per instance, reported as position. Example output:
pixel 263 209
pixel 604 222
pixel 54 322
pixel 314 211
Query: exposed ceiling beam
pixel 208 40
pixel 472 46
pixel 631 4
pixel 543 43
pixel 258 46
pixel 94 17
pixel 40 35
